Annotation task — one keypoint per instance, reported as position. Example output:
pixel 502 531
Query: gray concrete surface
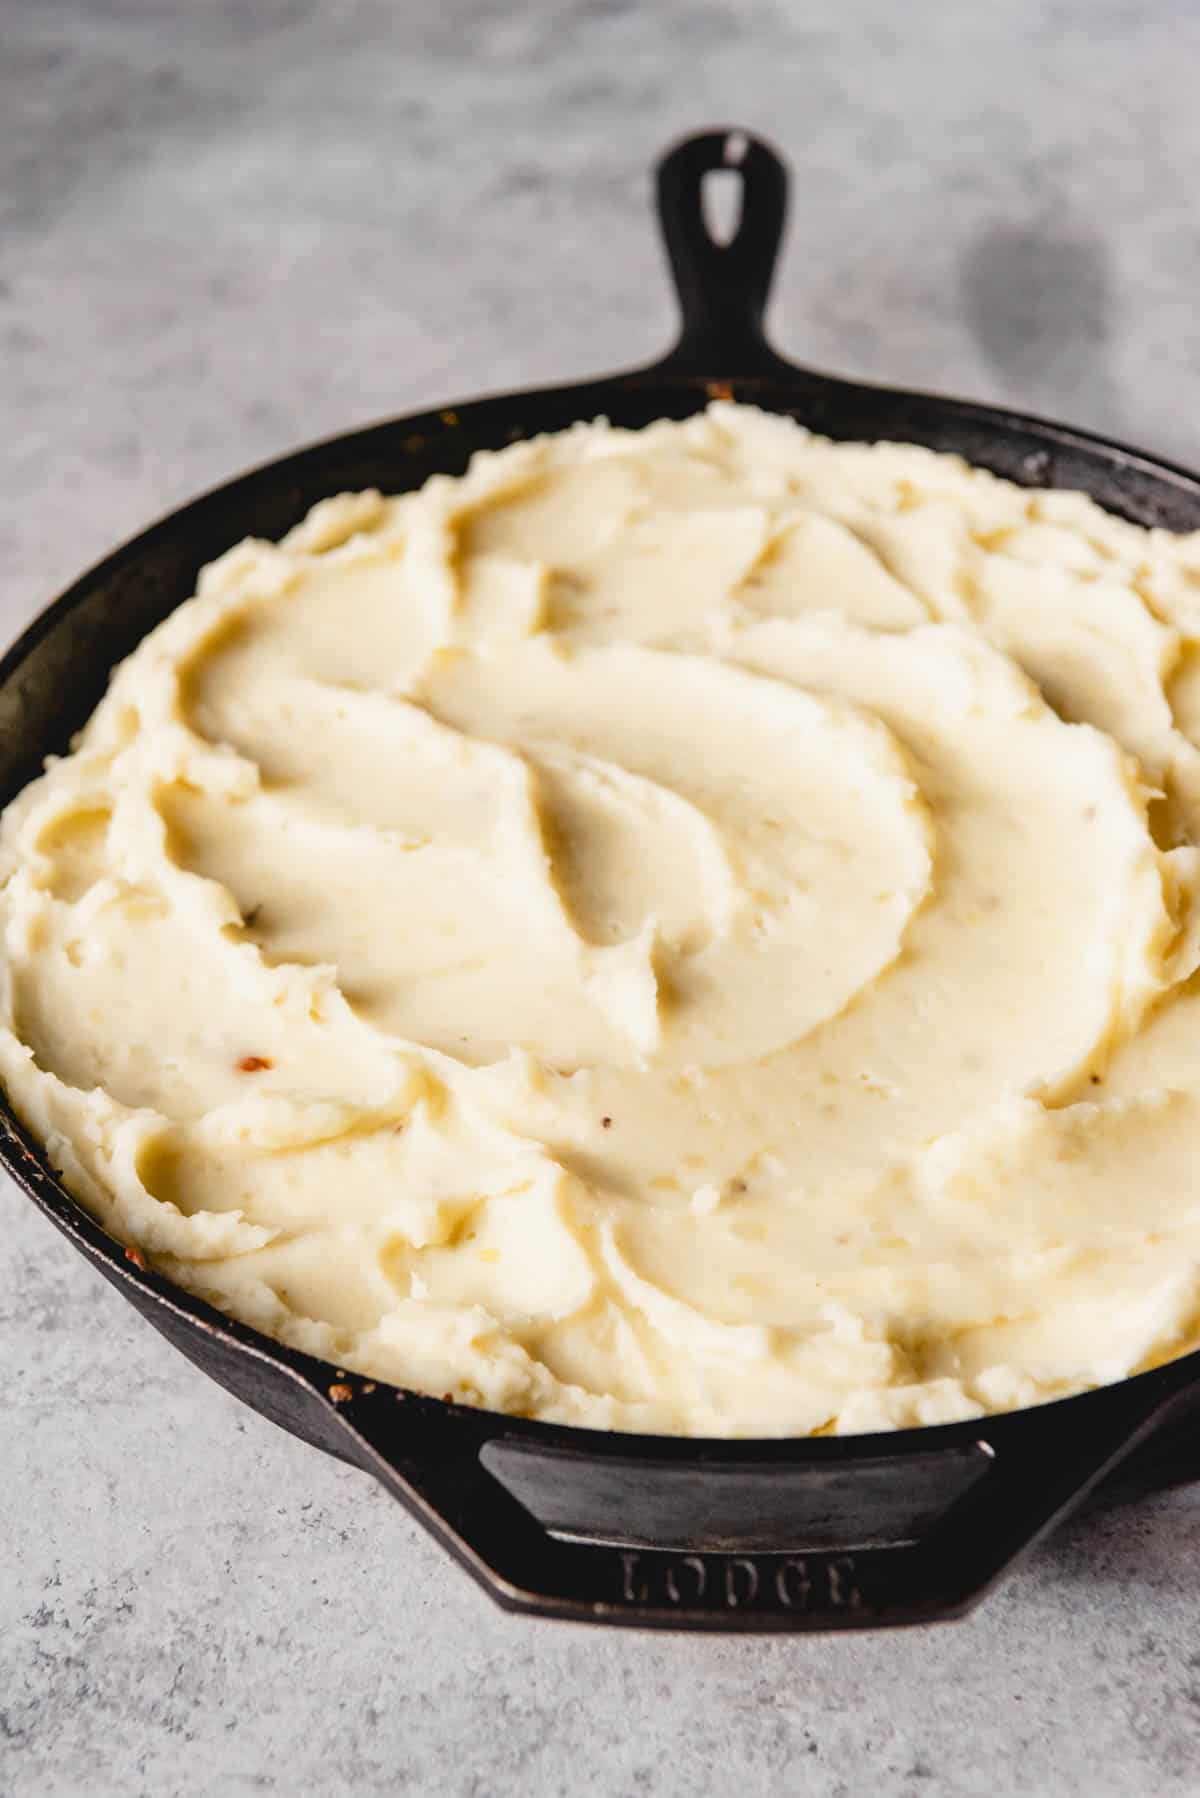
pixel 229 227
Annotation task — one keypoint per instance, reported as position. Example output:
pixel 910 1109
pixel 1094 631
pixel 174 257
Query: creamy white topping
pixel 687 930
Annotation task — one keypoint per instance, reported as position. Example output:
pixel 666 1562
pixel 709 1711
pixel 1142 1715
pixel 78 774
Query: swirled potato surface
pixel 689 930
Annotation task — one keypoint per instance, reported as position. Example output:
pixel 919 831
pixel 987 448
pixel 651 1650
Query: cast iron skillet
pixel 849 1532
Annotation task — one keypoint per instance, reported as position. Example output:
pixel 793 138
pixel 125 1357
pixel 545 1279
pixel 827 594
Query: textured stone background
pixel 227 228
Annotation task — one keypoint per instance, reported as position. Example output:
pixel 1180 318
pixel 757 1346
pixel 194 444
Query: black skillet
pixel 849 1532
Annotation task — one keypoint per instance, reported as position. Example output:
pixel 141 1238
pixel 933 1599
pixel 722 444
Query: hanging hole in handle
pixel 722 195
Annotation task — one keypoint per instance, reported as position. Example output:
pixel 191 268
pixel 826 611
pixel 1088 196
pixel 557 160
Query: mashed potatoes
pixel 687 930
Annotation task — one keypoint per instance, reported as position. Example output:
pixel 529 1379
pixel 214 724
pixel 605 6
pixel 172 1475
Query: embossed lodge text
pixel 736 1582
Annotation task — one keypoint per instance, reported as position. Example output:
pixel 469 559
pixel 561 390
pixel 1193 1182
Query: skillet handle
pixel 722 288
pixel 1037 1474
